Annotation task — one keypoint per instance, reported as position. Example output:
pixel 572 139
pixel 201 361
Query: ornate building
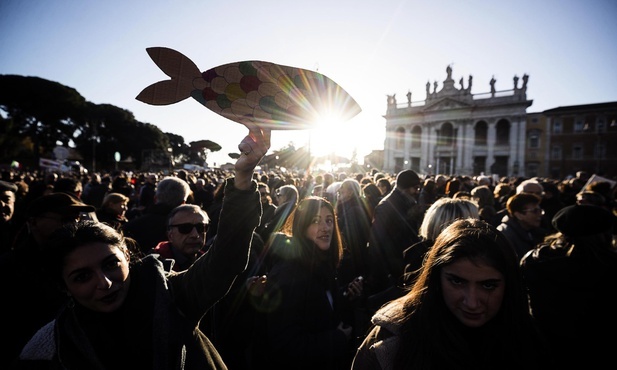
pixel 456 132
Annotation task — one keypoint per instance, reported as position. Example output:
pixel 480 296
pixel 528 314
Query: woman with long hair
pixel 302 325
pixel 467 310
pixel 126 313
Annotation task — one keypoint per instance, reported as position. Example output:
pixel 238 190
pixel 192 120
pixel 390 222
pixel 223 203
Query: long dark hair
pixel 432 337
pixel 73 235
pixel 301 219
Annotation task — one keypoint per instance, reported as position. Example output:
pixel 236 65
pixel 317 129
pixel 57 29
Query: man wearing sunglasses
pixel 522 225
pixel 186 231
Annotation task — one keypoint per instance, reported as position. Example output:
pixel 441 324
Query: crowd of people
pixel 244 269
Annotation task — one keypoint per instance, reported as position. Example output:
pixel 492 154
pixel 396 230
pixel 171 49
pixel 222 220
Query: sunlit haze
pixel 370 48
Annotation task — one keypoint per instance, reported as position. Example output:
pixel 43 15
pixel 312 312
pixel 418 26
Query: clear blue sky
pixel 371 48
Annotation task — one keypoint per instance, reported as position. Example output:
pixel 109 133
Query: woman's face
pixel 320 230
pixel 96 275
pixel 473 292
pixel 345 193
pixel 119 208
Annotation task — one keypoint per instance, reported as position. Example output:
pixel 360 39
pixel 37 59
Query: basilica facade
pixel 456 132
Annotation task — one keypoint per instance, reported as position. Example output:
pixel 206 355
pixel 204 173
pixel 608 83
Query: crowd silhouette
pixel 320 272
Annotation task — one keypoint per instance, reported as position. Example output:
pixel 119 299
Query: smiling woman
pixel 303 328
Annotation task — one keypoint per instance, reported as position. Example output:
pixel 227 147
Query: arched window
pixel 502 131
pixel 481 133
pixel 400 138
pixel 416 136
pixel 447 134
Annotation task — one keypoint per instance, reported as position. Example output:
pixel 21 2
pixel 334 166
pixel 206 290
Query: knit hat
pixel 407 179
pixel 583 220
pixel 60 203
pixel 5 185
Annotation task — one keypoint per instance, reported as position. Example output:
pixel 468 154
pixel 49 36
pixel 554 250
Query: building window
pixel 600 151
pixel 600 126
pixel 533 141
pixel 557 127
pixel 579 126
pixel 502 131
pixel 577 151
pixel 447 134
pixel 532 169
pixel 400 138
pixel 416 135
pixel 556 152
pixel 415 164
pixel 481 133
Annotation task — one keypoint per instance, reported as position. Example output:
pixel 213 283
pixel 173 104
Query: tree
pixel 180 151
pixel 201 148
pixel 44 111
pixel 109 129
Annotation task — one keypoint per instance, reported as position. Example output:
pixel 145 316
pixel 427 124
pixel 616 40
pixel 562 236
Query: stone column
pixel 491 138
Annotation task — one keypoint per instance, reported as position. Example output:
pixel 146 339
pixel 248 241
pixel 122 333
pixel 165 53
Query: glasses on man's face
pixel 535 211
pixel 263 193
pixel 186 228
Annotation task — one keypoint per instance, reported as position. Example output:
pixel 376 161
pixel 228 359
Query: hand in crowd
pixel 355 288
pixel 256 285
pixel 252 149
pixel 346 329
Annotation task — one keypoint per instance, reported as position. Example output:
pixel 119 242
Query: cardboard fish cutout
pixel 272 95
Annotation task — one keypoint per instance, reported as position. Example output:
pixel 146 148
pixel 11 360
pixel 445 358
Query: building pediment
pixel 445 104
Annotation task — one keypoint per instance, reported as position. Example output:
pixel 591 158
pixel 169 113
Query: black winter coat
pixel 395 227
pixel 157 326
pixel 300 329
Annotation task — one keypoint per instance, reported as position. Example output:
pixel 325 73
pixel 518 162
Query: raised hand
pixel 252 148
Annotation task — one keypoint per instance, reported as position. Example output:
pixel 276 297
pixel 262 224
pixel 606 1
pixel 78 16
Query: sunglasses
pixel 187 228
pixel 535 211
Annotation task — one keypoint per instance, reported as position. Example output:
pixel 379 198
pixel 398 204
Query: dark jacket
pixel 355 226
pixel 268 210
pixel 281 213
pixel 395 227
pixel 483 348
pixel 414 259
pixel 150 228
pixel 33 301
pixel 146 195
pixel 522 240
pixel 110 218
pixel 300 329
pixel 157 327
pixel 570 296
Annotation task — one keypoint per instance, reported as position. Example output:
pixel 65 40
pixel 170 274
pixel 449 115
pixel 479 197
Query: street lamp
pixel 94 140
pixel 170 154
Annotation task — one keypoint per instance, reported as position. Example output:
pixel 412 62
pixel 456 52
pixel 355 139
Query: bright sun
pixel 328 136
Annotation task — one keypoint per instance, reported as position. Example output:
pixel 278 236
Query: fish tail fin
pixel 179 68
